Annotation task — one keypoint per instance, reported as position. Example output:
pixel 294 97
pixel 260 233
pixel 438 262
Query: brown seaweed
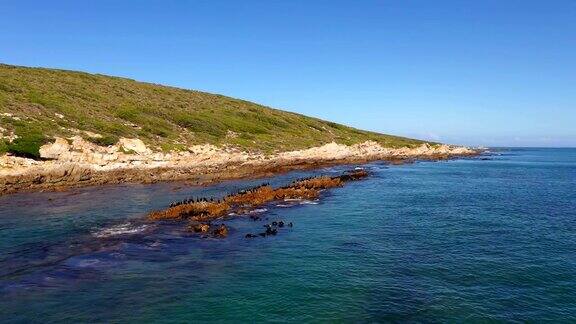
pixel 204 209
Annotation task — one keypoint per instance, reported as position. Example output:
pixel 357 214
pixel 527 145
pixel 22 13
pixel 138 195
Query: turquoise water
pixel 464 240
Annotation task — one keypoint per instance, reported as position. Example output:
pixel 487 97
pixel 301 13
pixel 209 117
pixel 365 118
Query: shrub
pixel 128 113
pixel 45 100
pixel 27 144
pixel 104 140
pixel 3 147
pixel 157 130
pixel 185 120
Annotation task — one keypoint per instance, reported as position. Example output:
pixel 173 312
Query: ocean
pixel 465 240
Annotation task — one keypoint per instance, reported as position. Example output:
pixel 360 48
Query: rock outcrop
pixel 75 161
pixel 55 150
pixel 135 145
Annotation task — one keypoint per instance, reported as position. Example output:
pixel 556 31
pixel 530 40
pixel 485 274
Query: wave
pixel 258 211
pixel 121 229
pixel 296 202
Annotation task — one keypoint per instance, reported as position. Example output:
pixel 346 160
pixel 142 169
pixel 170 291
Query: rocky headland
pixel 61 129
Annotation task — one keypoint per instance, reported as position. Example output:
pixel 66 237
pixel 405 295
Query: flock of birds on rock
pixel 270 229
pixel 299 180
pixel 217 200
pixel 194 200
pixel 249 190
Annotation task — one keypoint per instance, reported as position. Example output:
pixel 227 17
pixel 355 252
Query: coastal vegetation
pixel 37 104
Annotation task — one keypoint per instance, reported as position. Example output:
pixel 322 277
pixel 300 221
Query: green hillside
pixel 48 102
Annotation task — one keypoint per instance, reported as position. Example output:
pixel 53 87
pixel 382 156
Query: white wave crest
pixel 258 211
pixel 285 205
pixel 120 230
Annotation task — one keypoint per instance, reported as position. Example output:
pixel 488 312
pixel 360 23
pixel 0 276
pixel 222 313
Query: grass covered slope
pixel 37 104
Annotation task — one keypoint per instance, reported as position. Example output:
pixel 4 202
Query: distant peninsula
pixel 61 129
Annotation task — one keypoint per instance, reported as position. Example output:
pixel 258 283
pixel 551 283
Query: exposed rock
pixel 231 134
pixel 134 144
pixel 10 137
pixel 93 135
pixel 10 115
pixel 200 228
pixel 14 165
pixel 54 150
pixel 271 231
pixel 221 231
pixel 81 145
pixel 126 161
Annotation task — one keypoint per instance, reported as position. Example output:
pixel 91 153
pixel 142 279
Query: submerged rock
pixel 200 228
pixel 221 231
pixel 271 231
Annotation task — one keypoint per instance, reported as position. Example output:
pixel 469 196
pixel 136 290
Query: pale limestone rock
pixel 93 135
pixel 110 157
pixel 54 150
pixel 134 144
pixel 15 165
pixel 81 145
pixel 203 149
pixel 84 155
pixel 10 137
pixel 159 157
pixel 231 134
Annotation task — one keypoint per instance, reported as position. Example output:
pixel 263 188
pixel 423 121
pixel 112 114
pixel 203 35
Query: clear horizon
pixel 489 73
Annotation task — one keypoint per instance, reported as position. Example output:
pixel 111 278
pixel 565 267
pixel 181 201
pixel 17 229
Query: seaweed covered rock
pixel 200 228
pixel 353 175
pixel 243 202
pixel 221 231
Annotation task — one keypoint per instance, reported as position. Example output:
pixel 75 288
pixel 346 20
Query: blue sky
pixel 488 72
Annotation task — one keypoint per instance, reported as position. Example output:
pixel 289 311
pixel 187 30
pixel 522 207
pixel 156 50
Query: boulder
pixel 81 145
pixel 134 144
pixel 54 150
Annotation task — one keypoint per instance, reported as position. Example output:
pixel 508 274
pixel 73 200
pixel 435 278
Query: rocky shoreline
pixel 74 162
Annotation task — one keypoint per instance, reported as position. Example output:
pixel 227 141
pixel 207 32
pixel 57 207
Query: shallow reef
pixel 201 211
